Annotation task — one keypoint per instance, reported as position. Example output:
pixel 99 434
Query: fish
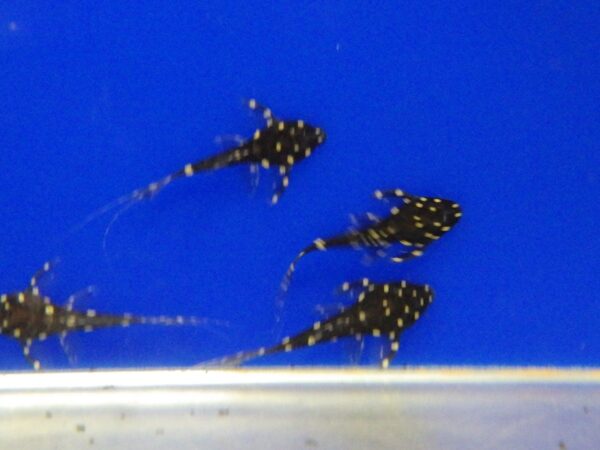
pixel 413 223
pixel 280 145
pixel 30 316
pixel 381 309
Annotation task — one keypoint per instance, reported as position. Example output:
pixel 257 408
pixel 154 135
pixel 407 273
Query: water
pixel 494 107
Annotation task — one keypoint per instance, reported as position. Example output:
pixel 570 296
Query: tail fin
pixel 285 284
pixel 287 278
pixel 175 320
pixel 90 320
pixel 123 200
pixel 234 360
pixel 126 201
pixel 213 325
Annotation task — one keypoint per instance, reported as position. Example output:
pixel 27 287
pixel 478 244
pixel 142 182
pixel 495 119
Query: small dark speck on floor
pixel 562 445
pixel 192 412
pixel 48 414
pixel 123 416
pixel 160 431
pixel 586 410
pixel 310 442
pixel 91 441
pixel 80 427
pixel 223 412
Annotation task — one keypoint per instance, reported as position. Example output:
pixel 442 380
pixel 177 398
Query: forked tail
pixel 126 201
pixel 287 278
pixel 218 161
pixel 234 360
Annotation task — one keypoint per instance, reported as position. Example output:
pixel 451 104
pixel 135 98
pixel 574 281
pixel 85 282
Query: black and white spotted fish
pixel 280 145
pixel 30 316
pixel 381 309
pixel 413 224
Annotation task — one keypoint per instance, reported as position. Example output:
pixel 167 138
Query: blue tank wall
pixel 494 106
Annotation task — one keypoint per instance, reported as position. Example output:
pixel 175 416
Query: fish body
pixel 29 316
pixel 280 144
pixel 412 223
pixel 381 309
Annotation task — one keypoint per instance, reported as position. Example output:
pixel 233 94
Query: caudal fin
pixel 285 284
pixel 126 201
pixel 287 278
pixel 176 321
pixel 234 360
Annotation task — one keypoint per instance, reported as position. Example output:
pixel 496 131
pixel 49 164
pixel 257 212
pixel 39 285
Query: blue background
pixel 494 106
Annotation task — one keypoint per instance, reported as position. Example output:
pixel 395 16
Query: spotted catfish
pixel 381 309
pixel 30 316
pixel 280 144
pixel 413 224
